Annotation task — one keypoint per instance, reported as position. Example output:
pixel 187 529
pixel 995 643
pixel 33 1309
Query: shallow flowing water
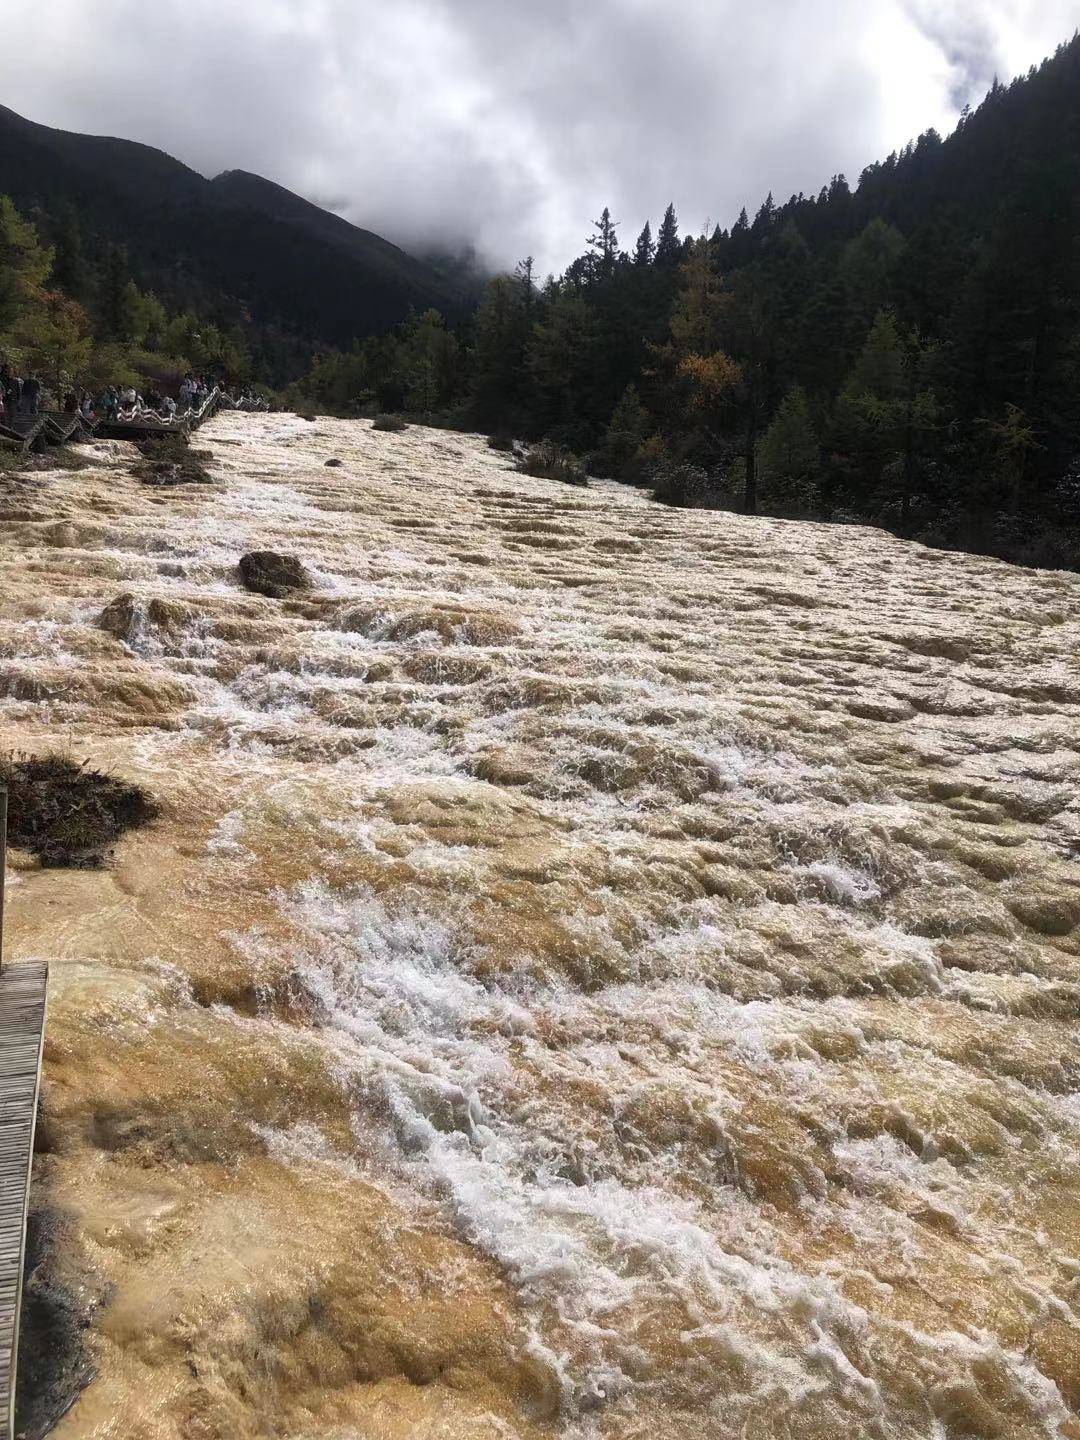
pixel 601 971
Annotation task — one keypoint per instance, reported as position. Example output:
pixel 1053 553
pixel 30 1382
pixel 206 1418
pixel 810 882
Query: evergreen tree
pixel 668 249
pixel 1013 441
pixel 114 296
pixel 24 265
pixel 428 361
pixel 789 456
pixel 740 244
pixel 499 352
pixel 870 411
pixel 696 322
pixel 563 364
pixel 524 276
pixel 69 265
pixel 644 249
pixel 625 432
pixel 605 246
pixel 752 337
pixel 868 269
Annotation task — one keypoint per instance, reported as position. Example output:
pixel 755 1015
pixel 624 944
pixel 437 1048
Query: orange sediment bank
pixel 598 970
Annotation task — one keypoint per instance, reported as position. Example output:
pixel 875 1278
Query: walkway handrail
pixel 3 863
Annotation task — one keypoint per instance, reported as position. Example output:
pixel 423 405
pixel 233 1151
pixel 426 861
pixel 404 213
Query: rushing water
pixel 602 971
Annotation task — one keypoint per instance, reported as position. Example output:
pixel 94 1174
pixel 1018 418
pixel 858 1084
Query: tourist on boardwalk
pixel 10 386
pixel 31 394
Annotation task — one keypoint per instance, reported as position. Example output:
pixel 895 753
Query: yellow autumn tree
pixel 711 378
pixel 54 340
pixel 24 266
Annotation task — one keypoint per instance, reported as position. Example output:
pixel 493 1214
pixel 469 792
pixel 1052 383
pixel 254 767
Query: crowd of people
pixel 26 396
pixel 126 403
pixel 18 395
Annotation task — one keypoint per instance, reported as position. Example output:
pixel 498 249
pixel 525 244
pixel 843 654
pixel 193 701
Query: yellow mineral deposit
pixel 600 971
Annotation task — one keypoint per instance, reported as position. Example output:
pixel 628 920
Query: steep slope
pixel 239 239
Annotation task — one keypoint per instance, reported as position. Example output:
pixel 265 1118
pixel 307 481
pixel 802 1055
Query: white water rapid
pixel 600 971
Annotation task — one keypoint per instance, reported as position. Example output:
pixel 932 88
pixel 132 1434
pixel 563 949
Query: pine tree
pixel 626 430
pixel 870 411
pixel 764 218
pixel 563 365
pixel 740 244
pixel 69 265
pixel 644 249
pixel 524 276
pixel 789 456
pixel 113 294
pixel 605 246
pixel 752 333
pixel 1013 440
pixel 700 304
pixel 428 361
pixel 868 268
pixel 499 350
pixel 668 249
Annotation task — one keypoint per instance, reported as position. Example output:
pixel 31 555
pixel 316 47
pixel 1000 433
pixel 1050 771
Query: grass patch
pixel 67 814
pixel 60 457
pixel 548 461
pixel 168 459
pixel 393 423
pixel 25 462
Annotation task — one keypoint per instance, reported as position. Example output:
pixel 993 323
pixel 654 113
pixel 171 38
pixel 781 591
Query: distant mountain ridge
pixel 238 239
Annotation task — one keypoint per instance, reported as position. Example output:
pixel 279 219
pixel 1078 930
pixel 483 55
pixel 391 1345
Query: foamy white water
pixel 601 972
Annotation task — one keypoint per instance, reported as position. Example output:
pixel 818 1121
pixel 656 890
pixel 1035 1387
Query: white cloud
pixel 511 126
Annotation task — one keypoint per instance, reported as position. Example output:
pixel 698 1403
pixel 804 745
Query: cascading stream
pixel 600 971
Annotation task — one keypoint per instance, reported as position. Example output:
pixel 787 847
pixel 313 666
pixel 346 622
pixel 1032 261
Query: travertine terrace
pixel 600 970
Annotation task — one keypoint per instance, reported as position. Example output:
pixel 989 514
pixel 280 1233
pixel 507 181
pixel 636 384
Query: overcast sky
pixel 511 125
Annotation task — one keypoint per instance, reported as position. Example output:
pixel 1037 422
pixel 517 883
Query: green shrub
pixel 684 485
pixel 548 461
pixel 393 423
pixel 68 814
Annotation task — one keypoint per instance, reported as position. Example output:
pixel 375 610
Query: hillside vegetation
pixel 237 250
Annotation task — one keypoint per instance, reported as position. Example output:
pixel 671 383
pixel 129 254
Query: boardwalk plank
pixel 22 1023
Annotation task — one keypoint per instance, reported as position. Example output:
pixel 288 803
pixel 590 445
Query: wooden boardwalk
pixel 22 1027
pixel 58 427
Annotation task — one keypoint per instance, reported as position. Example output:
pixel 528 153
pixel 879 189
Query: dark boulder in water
pixel 335 462
pixel 268 573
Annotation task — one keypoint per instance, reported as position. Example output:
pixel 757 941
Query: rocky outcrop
pixel 268 573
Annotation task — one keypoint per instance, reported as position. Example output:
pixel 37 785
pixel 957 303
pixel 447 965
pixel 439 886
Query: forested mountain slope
pixel 238 243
